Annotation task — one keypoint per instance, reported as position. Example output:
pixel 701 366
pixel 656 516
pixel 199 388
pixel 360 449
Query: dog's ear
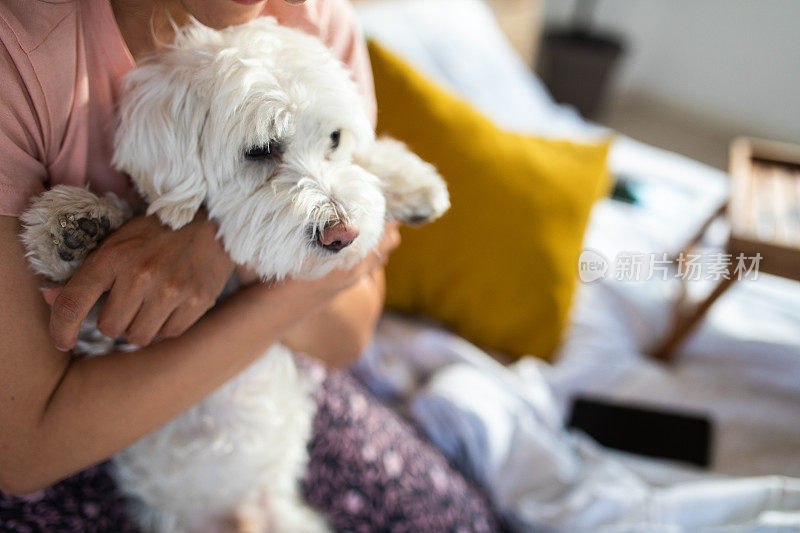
pixel 158 136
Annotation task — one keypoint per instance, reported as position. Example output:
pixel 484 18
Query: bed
pixel 741 368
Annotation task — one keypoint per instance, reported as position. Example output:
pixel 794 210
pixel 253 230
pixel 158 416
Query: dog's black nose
pixel 337 236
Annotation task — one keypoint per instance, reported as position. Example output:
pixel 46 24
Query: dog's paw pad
pixel 88 226
pixel 75 237
pixel 418 219
pixel 420 206
pixel 66 256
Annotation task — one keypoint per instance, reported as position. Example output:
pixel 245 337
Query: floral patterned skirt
pixel 369 470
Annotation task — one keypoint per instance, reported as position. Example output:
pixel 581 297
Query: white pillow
pixel 459 44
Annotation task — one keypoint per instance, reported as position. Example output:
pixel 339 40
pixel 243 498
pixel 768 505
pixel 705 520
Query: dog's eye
pixel 335 138
pixel 271 150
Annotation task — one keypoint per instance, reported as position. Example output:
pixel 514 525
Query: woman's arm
pixel 59 415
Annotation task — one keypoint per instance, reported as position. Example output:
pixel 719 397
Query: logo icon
pixel 592 266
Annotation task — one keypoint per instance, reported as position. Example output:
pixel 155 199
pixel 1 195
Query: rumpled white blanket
pixel 502 426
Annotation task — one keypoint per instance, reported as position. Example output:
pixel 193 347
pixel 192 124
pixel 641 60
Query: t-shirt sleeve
pixel 22 173
pixel 343 35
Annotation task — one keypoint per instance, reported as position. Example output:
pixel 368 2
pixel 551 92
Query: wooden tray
pixel 764 208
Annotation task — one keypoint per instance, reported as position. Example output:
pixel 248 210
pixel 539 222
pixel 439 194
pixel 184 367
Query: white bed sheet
pixel 743 365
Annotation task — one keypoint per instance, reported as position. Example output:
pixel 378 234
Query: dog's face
pixel 259 123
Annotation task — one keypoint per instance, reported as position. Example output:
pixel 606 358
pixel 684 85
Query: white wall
pixel 734 63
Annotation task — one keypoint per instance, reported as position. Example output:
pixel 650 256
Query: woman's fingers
pixel 389 242
pixel 119 310
pixel 391 225
pixel 182 319
pixel 74 302
pixel 391 238
pixel 51 294
pixel 148 321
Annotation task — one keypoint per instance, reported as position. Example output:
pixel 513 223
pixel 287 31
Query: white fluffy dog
pixel 264 127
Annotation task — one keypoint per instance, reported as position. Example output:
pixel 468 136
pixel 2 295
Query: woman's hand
pixel 160 282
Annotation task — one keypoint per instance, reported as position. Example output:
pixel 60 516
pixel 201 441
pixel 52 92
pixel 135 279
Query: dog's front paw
pixel 414 191
pixel 64 224
pixel 418 202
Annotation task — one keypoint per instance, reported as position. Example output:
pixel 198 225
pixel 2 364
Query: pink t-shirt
pixel 61 69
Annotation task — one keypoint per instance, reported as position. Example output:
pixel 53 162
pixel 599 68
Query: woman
pixel 61 66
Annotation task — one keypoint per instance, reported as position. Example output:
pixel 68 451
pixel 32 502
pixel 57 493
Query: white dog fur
pixel 264 127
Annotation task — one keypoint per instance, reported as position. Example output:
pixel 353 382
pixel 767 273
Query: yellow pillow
pixel 500 267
